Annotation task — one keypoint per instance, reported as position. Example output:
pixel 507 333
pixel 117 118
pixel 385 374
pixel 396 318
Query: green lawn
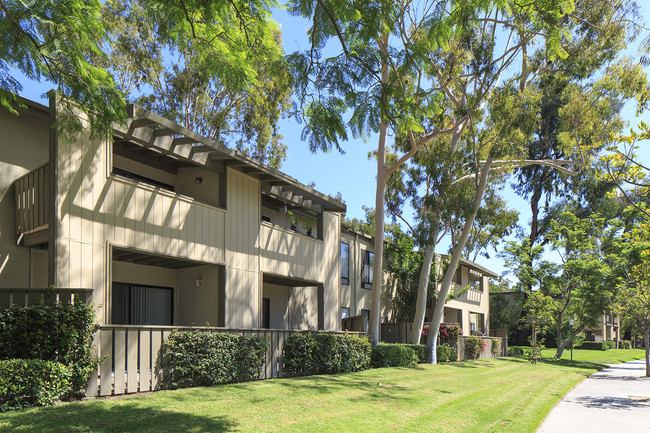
pixel 611 356
pixel 505 395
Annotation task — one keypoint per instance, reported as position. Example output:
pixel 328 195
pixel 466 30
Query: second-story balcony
pixel 32 207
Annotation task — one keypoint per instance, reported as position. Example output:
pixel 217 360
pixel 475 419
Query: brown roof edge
pixel 135 111
pixel 475 266
pixel 34 108
pixel 348 229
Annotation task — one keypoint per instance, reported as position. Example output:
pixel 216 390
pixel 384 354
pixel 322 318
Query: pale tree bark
pixel 647 349
pixel 457 250
pixel 423 284
pixel 429 254
pixel 380 200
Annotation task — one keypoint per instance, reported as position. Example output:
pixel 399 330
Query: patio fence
pixel 27 297
pixel 131 356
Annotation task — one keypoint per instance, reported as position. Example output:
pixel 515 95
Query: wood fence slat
pixel 156 344
pixel 120 359
pixel 92 387
pixel 268 368
pixel 282 337
pixel 106 367
pixel 132 338
pixel 145 360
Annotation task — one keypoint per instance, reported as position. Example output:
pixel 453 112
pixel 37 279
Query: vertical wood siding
pixel 97 210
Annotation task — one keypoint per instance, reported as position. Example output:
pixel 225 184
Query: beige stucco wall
pixel 303 308
pixel 24 140
pixel 197 304
pixel 279 305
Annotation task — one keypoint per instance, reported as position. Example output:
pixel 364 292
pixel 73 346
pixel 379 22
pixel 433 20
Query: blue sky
pixel 352 174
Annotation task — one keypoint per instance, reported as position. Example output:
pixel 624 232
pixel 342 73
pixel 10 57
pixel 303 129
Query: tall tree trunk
pixel 425 271
pixel 380 200
pixel 457 250
pixel 560 348
pixel 647 349
pixel 423 284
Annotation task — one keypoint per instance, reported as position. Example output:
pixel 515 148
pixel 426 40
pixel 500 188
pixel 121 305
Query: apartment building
pixel 165 226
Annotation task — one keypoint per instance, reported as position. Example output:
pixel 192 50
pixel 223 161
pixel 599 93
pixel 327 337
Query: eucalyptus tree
pixel 88 56
pixel 233 93
pixel 582 95
pixel 393 67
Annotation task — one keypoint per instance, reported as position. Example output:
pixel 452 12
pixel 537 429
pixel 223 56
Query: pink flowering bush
pixel 474 346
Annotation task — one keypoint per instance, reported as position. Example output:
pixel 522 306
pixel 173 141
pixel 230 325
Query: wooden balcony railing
pixel 32 213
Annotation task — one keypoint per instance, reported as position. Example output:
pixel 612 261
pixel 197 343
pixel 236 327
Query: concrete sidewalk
pixel 613 400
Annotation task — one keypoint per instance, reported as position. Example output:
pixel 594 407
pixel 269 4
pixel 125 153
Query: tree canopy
pixel 227 80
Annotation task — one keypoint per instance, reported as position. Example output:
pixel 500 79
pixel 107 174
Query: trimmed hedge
pixel 594 345
pixel 197 358
pixel 444 353
pixel 611 344
pixel 32 382
pixel 420 351
pixel 517 350
pixel 625 344
pixel 393 355
pixel 321 353
pixel 447 354
pixel 62 332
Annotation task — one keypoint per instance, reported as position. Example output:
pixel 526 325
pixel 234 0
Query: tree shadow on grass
pixel 337 383
pixel 559 362
pixel 97 416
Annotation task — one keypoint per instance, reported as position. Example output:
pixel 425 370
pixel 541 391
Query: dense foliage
pixel 62 332
pixel 202 359
pixel 32 382
pixel 224 76
pixel 321 353
pixel 393 355
pixel 447 353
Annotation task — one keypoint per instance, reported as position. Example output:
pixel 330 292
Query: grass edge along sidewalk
pixel 505 395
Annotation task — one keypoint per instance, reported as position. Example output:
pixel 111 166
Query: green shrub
pixel 392 355
pixel 197 358
pixel 517 350
pixel 496 347
pixel 474 346
pixel 446 354
pixel 625 344
pixel 325 353
pixel 62 332
pixel 32 382
pixel 420 351
pixel 594 345
pixel 611 344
